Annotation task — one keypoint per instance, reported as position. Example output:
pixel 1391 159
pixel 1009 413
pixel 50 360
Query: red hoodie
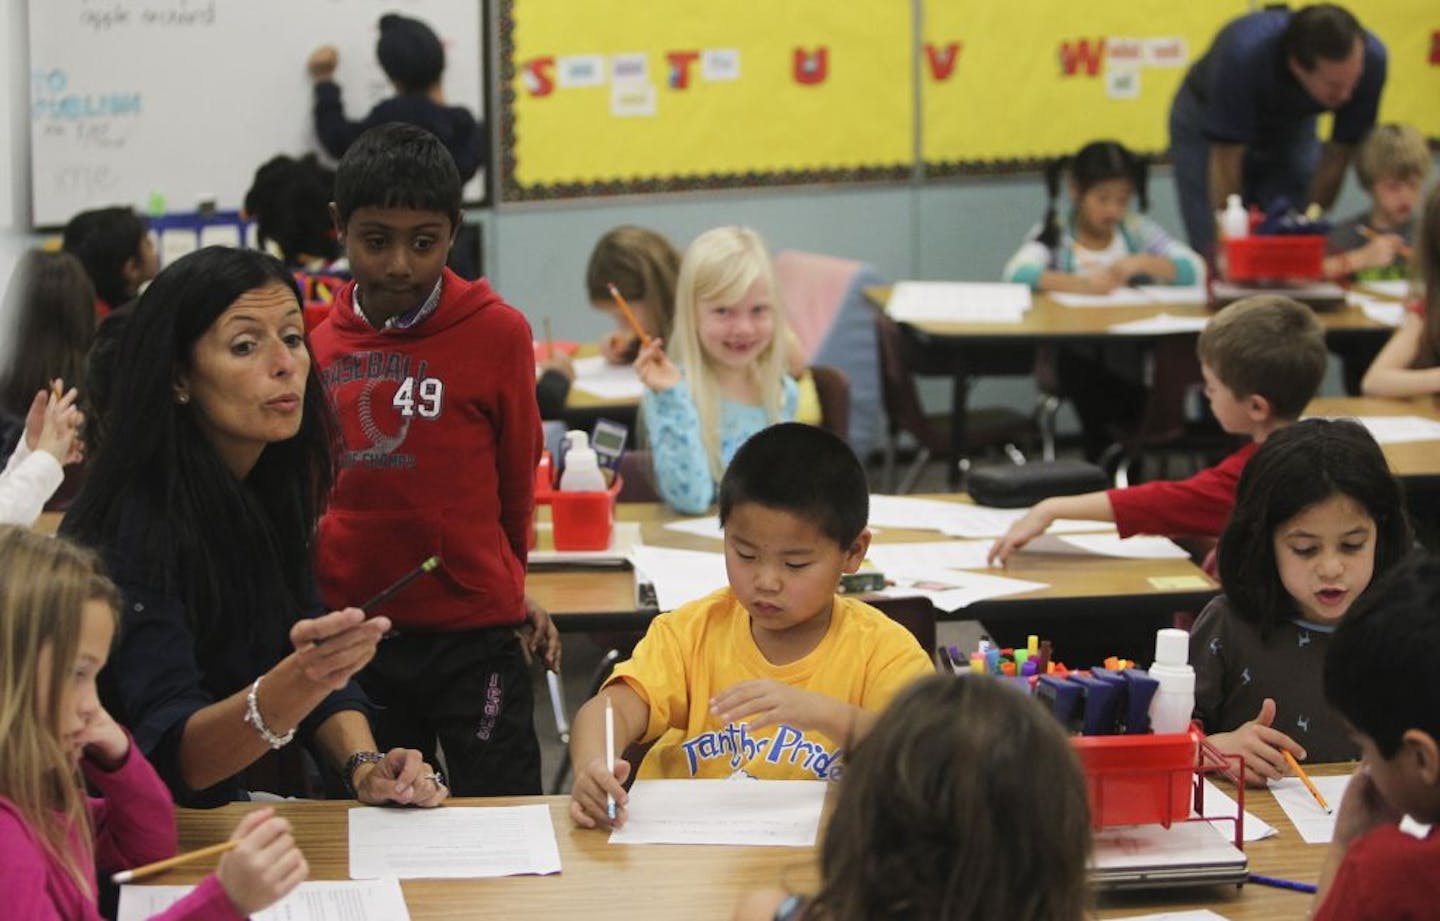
pixel 441 436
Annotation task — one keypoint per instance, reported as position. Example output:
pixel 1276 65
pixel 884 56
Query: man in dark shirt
pixel 1243 121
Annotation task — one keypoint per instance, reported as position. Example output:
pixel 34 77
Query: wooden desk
pixel 967 347
pixel 637 882
pixel 1094 588
pixel 1411 460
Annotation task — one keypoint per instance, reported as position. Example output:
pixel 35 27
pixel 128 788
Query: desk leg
pixel 959 397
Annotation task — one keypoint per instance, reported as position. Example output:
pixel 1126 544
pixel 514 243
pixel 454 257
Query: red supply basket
pixel 1275 258
pixel 584 520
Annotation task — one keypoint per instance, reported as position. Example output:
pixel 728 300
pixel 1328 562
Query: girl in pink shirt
pixel 57 619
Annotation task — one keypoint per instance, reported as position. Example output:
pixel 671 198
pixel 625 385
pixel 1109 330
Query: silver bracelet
pixel 253 717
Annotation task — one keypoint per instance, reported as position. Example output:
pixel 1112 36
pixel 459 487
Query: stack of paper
pixel 1394 430
pixel 367 900
pixel 1141 296
pixel 597 377
pixel 1386 313
pixel 623 538
pixel 457 842
pixel 678 575
pixel 959 519
pixel 958 302
pixel 1162 324
pixel 736 811
pixel 1107 544
pixel 1219 805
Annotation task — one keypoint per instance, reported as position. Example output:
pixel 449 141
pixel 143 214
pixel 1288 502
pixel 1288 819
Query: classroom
pixel 460 456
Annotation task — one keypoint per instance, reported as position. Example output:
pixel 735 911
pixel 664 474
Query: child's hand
pixel 592 784
pixel 103 741
pixel 264 866
pixel 617 346
pixel 332 649
pixel 1102 281
pixel 1025 529
pixel 1260 745
pixel 539 636
pixel 1379 253
pixel 323 62
pixel 402 778
pixel 763 702
pixel 53 424
pixel 1363 809
pixel 656 370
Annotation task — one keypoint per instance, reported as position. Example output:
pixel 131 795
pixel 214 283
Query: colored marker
pixel 1032 644
pixel 977 663
pixel 1305 779
pixel 1279 883
pixel 629 315
pixel 609 753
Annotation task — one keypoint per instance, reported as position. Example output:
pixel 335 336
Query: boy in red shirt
pixel 1380 674
pixel 1262 358
pixel 433 381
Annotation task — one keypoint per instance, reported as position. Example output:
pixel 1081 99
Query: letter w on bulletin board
pixel 615 96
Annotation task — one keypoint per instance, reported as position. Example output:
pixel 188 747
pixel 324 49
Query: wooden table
pixel 637 882
pixel 970 349
pixel 1413 460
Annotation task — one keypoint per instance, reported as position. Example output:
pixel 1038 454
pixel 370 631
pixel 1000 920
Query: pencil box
pixel 1022 485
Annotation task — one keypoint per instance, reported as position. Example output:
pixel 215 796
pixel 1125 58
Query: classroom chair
pixel 832 386
pixel 900 361
pixel 637 475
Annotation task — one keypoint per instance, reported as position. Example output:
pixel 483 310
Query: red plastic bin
pixel 1139 779
pixel 1275 257
pixel 584 520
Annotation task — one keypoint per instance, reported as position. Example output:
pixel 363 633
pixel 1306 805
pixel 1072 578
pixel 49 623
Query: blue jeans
pixel 1280 163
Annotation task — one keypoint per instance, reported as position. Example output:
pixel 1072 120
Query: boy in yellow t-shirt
pixel 775 676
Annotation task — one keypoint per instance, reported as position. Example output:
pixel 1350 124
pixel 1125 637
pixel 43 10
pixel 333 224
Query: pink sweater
pixel 134 822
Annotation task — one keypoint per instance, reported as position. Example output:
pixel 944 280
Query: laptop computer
pixel 1149 856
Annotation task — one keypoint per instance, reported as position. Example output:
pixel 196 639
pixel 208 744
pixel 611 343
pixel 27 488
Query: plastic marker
pixel 399 584
pixel 609 753
pixel 1305 779
pixel 1279 883
pixel 1032 645
pixel 629 315
pixel 977 663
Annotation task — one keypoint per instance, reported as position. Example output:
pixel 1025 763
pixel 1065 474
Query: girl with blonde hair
pixel 57 619
pixel 723 376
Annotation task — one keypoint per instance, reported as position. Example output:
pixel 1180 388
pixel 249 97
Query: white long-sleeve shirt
pixel 29 480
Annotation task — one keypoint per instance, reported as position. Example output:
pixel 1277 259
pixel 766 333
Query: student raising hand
pixel 53 424
pixel 656 370
pixel 1261 745
pixel 265 866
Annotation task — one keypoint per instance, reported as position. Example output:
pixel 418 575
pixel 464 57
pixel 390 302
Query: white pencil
pixel 609 752
pixel 557 703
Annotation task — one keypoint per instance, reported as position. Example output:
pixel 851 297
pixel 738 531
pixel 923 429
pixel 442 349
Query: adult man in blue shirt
pixel 1243 121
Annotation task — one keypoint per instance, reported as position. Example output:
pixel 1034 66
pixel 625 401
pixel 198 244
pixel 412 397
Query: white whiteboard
pixel 182 99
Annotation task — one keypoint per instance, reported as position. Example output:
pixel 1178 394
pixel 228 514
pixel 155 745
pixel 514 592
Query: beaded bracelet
pixel 253 717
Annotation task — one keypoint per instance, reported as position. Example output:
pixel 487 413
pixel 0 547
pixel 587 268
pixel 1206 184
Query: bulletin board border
pixel 513 191
pixel 1014 166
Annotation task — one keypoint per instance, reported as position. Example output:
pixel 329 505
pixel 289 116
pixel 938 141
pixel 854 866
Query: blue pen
pixel 1279 883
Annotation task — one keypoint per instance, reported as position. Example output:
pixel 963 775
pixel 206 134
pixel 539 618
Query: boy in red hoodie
pixel 433 381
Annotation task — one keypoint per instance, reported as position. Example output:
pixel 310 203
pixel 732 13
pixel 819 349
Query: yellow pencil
pixel 160 866
pixel 1305 779
pixel 629 316
pixel 1370 234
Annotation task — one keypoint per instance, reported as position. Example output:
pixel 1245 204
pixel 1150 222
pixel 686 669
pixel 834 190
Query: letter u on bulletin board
pixel 603 97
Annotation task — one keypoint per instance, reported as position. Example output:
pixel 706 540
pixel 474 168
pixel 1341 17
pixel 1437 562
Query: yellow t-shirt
pixel 702 648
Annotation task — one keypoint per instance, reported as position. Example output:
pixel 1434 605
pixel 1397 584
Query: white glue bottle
pixel 582 471
pixel 1174 699
pixel 1234 220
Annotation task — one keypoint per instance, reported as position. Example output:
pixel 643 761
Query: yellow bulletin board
pixel 617 96
pixel 659 95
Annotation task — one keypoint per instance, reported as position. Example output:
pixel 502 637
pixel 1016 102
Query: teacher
pixel 204 498
pixel 1243 121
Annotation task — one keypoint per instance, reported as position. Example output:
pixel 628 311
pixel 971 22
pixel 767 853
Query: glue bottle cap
pixel 1172 647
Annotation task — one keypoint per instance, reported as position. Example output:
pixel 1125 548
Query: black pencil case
pixel 1022 485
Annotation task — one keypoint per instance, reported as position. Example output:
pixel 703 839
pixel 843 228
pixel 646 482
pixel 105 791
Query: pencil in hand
pixel 399 584
pixel 629 314
pixel 160 866
pixel 1371 234
pixel 1305 779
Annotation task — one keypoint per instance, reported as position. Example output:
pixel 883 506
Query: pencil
pixel 160 866
pixel 1305 779
pixel 395 587
pixel 609 752
pixel 629 315
pixel 1370 234
pixel 1279 883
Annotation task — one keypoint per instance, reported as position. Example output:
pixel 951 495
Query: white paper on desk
pixel 958 302
pixel 1386 313
pixel 1159 325
pixel 1394 430
pixel 599 378
pixel 926 555
pixel 1181 295
pixel 359 900
pixel 1219 804
pixel 457 842
pixel 1396 288
pixel 1120 297
pixel 953 589
pixel 1197 914
pixel 1304 813
pixel 959 519
pixel 699 527
pixel 679 575
pixel 1140 547
pixel 738 811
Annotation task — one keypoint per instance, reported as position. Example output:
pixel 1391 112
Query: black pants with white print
pixel 471 692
